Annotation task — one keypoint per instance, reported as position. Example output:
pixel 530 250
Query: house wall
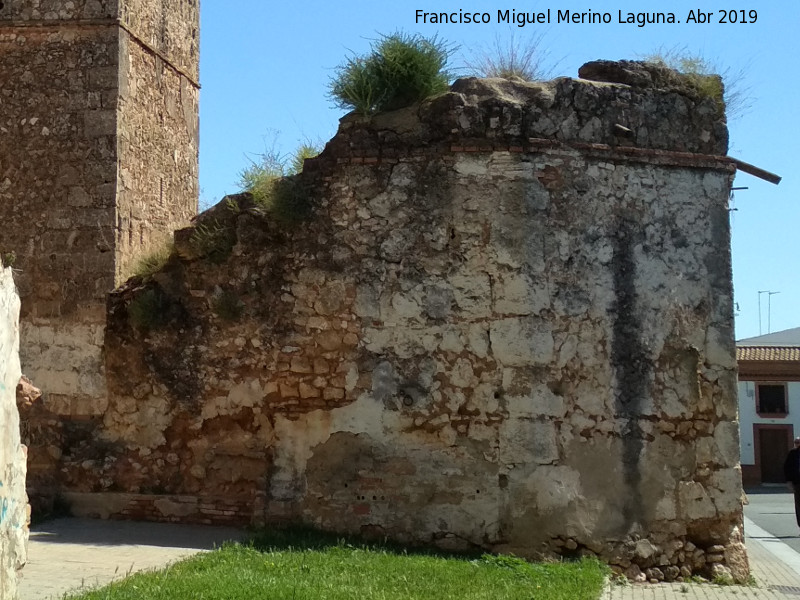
pixel 748 417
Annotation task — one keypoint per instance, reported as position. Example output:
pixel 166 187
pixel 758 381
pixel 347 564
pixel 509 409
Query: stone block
pixel 520 342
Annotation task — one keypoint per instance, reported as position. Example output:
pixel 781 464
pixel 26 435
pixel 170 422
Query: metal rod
pixel 756 172
pixel 769 310
pixel 759 309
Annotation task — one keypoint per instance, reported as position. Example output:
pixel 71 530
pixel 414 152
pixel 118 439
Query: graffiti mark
pixel 4 507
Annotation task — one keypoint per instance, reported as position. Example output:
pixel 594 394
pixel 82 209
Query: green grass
pixel 294 569
pixel 213 240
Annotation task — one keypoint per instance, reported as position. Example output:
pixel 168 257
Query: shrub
pixel 400 70
pixel 509 58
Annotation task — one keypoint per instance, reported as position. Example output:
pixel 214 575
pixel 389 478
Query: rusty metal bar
pixel 756 172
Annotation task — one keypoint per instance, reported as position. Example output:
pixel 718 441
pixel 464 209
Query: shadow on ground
pixel 129 533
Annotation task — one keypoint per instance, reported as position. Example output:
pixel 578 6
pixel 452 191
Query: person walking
pixel 791 470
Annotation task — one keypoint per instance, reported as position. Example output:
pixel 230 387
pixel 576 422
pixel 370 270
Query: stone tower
pixel 98 165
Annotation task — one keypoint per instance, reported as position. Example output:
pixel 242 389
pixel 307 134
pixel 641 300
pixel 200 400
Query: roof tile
pixel 768 353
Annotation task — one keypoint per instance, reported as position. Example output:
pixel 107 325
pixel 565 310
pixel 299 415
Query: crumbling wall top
pixel 620 104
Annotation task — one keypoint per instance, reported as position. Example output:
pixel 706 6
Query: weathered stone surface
pixel 475 336
pixel 15 511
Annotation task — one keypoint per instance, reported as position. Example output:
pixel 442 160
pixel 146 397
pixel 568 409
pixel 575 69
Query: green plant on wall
pixel 227 305
pixel 148 310
pixel 151 263
pixel 511 58
pixel 213 240
pixel 708 79
pixel 401 69
pixel 9 258
pixel 274 183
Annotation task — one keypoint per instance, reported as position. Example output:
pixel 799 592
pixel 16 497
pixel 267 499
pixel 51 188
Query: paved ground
pixel 773 546
pixel 772 509
pixel 68 554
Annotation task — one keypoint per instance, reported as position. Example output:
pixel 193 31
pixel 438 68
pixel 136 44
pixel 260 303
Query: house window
pixel 771 399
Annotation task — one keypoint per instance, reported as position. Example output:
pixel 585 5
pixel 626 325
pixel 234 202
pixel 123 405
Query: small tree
pixel 401 69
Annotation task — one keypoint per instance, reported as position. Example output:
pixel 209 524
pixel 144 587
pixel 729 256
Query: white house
pixel 769 403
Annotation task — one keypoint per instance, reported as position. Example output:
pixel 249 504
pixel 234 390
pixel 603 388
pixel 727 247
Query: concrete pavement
pixel 774 565
pixel 71 554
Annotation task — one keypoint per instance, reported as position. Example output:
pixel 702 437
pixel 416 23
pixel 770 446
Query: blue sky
pixel 265 67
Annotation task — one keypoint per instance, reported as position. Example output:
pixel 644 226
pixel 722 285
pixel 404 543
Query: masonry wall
pixel 58 163
pixel 13 500
pixel 98 165
pixel 168 27
pixel 158 146
pixel 158 124
pixel 506 323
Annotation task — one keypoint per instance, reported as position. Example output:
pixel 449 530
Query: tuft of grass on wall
pixel 152 263
pixel 304 151
pixel 513 59
pixel 708 79
pixel 148 310
pixel 401 69
pixel 213 240
pixel 276 189
pixel 227 305
pixel 9 258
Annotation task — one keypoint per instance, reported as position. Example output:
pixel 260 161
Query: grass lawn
pixel 313 567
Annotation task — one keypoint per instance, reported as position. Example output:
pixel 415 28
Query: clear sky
pixel 265 68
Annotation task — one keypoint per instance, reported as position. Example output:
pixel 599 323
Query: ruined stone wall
pixel 506 323
pixel 13 501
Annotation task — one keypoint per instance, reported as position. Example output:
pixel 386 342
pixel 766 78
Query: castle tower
pixel 98 165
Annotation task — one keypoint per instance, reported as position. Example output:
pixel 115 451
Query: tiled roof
pixel 768 353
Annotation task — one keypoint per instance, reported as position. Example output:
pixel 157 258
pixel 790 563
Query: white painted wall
pixel 748 416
